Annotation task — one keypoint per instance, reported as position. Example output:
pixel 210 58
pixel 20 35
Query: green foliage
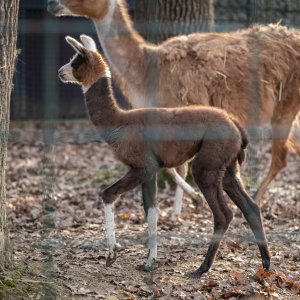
pixel 107 175
pixel 251 181
pixel 20 282
pixel 10 283
pixel 7 286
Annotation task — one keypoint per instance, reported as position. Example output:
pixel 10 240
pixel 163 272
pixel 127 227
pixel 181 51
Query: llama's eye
pixel 77 62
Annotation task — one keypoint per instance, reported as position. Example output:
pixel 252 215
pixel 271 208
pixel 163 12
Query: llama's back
pixel 225 70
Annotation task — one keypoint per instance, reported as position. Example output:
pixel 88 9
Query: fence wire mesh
pixel 36 25
pixel 39 96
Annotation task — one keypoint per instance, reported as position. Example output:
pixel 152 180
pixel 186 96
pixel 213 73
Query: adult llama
pixel 254 74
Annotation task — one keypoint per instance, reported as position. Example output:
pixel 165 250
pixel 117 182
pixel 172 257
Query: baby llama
pixel 150 139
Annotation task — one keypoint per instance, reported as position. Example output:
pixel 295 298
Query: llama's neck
pixel 102 107
pixel 121 43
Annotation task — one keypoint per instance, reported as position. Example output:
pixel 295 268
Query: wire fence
pixel 41 40
pixel 39 95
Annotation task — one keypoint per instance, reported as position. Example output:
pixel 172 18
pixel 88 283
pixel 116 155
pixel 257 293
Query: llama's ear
pixel 88 42
pixel 78 47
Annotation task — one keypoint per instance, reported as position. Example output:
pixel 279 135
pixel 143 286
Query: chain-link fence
pixel 41 40
pixel 39 95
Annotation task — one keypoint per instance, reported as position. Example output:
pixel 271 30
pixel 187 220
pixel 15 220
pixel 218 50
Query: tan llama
pixel 253 74
pixel 150 139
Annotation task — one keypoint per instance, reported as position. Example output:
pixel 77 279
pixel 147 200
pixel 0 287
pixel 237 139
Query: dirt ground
pixel 56 226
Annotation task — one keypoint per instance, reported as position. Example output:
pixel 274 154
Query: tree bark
pixel 161 19
pixel 8 54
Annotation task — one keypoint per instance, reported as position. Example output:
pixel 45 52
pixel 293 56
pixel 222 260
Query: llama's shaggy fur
pixel 254 73
pixel 151 139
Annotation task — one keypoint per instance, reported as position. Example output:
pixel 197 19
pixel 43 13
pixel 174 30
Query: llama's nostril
pixel 60 75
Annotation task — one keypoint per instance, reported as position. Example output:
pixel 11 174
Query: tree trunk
pixel 8 54
pixel 161 19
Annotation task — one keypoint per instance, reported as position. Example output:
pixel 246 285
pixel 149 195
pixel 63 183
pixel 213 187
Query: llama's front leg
pixel 149 189
pixel 110 233
pixel 131 180
pixel 57 9
pixel 152 240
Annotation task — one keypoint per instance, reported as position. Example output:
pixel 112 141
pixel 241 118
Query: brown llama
pixel 150 139
pixel 254 73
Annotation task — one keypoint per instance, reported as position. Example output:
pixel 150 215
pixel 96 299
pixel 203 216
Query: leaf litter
pixel 61 243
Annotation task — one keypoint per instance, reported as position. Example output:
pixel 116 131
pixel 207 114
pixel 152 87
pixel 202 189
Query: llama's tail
pixel 242 154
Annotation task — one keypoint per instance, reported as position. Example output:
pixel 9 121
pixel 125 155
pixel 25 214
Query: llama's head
pixel 95 9
pixel 86 67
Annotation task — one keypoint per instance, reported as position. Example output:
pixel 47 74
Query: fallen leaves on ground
pixel 56 223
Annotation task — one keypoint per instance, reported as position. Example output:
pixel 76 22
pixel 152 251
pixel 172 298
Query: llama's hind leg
pixel 131 180
pixel 210 184
pixel 183 187
pixel 282 123
pixel 294 137
pixel 236 191
pixel 177 206
pixel 278 162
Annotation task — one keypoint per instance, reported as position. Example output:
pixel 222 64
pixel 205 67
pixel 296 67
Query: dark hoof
pixel 266 265
pixel 146 268
pixel 173 223
pixel 194 275
pixel 198 200
pixel 111 259
pixel 199 272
